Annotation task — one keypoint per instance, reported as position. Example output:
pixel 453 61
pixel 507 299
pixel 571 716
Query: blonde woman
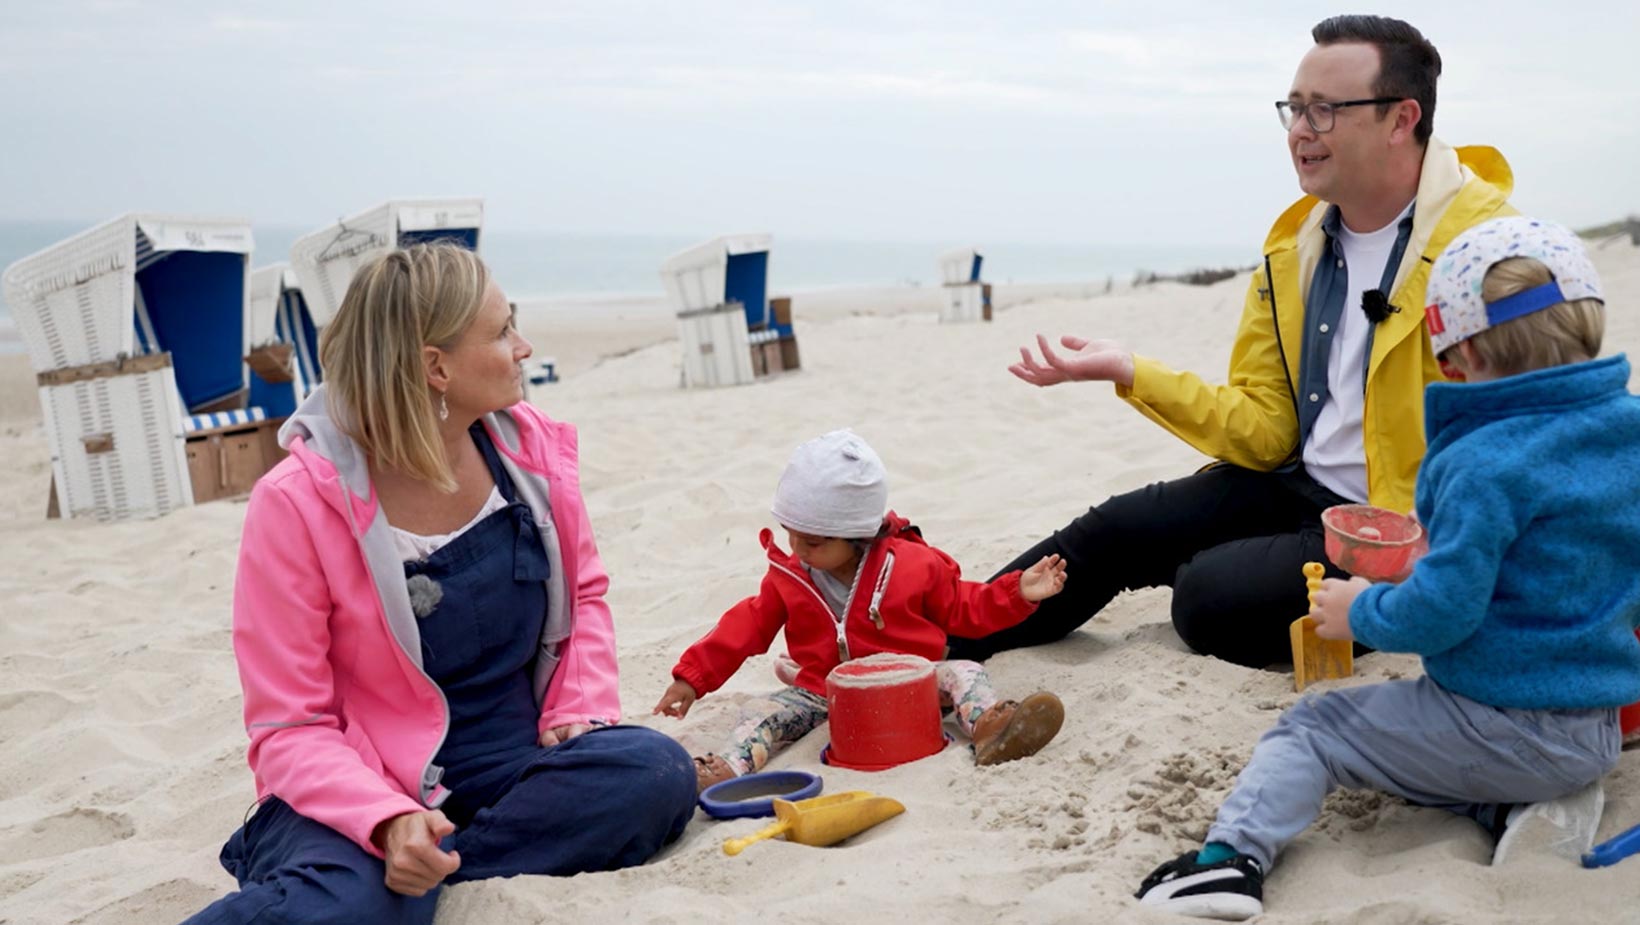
pixel 419 622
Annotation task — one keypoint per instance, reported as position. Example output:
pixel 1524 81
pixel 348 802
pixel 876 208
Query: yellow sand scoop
pixel 821 821
pixel 1314 658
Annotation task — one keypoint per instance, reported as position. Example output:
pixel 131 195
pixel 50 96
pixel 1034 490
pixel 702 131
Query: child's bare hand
pixel 1331 610
pixel 677 700
pixel 1042 580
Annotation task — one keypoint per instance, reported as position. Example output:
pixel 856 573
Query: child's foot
pixel 1231 889
pixel 786 669
pixel 1559 828
pixel 711 769
pixel 1017 728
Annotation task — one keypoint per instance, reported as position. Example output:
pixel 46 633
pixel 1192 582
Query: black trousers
pixel 1230 542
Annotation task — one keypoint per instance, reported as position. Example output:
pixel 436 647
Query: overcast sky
pixel 907 120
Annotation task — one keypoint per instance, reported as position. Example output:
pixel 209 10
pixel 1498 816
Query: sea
pixel 566 267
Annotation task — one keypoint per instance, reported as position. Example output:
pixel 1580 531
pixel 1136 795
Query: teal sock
pixel 1214 852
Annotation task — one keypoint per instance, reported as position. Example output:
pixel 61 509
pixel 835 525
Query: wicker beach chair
pixel 719 290
pixel 325 260
pixel 132 326
pixel 960 265
pixel 282 342
pixel 965 297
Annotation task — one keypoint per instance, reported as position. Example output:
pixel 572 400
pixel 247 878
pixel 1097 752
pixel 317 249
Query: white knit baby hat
pixel 833 485
pixel 1456 311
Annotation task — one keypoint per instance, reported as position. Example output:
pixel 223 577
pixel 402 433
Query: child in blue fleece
pixel 1524 608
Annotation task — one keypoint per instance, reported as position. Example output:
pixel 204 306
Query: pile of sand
pixel 123 753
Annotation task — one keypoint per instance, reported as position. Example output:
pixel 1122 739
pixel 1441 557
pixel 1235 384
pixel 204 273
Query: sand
pixel 123 756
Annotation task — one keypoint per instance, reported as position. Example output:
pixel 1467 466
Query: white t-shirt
pixel 415 547
pixel 1335 455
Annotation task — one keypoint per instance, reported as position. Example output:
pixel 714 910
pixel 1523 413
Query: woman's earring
pixel 443 407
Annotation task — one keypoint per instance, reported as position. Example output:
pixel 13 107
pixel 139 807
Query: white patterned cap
pixel 834 486
pixel 1456 311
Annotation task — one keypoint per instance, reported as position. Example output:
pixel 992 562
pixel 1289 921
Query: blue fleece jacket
pixel 1530 593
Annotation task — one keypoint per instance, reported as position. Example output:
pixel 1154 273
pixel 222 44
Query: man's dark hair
pixel 1408 63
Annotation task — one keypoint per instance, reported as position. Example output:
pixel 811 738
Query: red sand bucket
pixel 1371 542
pixel 1629 717
pixel 885 711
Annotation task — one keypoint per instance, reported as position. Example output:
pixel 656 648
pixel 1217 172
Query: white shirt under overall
pixel 1335 455
pixel 418 547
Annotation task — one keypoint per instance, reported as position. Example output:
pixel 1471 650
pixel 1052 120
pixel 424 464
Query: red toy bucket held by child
pixel 885 711
pixel 1629 718
pixel 1371 542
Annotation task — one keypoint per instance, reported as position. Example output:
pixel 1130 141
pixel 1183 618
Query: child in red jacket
pixel 859 581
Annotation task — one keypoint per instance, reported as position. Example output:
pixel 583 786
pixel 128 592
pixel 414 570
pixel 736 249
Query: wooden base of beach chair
pixel 965 302
pixel 789 359
pixel 767 359
pixel 780 307
pixel 227 461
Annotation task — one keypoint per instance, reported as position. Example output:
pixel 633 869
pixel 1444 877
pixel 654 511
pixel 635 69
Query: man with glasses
pixel 1324 400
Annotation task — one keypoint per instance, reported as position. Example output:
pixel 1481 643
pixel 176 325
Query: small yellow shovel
pixel 1314 658
pixel 821 821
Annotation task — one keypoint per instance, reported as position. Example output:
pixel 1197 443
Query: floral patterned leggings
pixel 769 724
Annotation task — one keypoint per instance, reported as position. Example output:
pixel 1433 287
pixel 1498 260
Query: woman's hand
pixel 415 863
pixel 1094 360
pixel 1042 580
pixel 558 735
pixel 1331 609
pixel 677 700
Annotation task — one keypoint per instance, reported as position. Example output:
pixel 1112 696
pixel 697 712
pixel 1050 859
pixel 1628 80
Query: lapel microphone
pixel 1375 305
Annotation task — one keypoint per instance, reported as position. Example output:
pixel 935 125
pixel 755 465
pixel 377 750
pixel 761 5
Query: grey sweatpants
pixel 1411 739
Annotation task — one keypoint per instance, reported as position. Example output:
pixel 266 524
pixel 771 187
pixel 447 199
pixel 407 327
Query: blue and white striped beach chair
pixel 964 296
pixel 326 259
pixel 279 317
pixel 960 266
pixel 702 282
pixel 132 326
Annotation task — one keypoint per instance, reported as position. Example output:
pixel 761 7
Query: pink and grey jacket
pixel 344 723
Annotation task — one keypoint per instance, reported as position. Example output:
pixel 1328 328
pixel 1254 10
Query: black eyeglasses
pixel 1322 114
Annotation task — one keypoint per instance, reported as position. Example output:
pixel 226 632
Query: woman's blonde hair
pixel 1567 332
pixel 371 352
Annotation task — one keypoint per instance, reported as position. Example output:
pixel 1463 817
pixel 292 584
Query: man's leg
pixel 1139 540
pixel 1237 600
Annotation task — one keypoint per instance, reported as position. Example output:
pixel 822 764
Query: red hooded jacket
pixel 907 597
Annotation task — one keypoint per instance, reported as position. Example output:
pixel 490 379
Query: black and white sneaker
pixel 1231 889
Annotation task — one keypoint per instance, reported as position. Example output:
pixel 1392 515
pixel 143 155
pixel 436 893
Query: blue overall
pixel 607 799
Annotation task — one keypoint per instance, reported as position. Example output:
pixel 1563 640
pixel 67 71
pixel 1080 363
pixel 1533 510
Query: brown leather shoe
pixel 1017 728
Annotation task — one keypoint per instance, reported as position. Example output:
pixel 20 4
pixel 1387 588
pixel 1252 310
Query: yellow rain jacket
pixel 1252 420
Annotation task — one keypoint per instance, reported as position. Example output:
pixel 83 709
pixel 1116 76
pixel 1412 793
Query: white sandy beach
pixel 123 758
